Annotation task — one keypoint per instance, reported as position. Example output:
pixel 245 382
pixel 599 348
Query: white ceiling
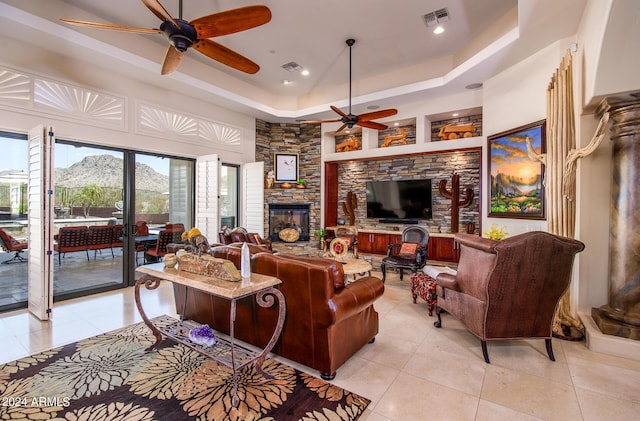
pixel 396 58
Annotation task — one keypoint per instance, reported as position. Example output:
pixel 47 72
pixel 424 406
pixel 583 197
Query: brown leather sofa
pixel 508 289
pixel 241 235
pixel 326 321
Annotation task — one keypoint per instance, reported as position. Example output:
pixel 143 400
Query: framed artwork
pixel 516 188
pixel 286 165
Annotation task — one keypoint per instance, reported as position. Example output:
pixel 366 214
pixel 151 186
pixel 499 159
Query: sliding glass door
pixel 14 164
pixel 99 195
pixel 89 216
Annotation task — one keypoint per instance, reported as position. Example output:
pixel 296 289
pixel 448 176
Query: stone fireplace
pixel 289 215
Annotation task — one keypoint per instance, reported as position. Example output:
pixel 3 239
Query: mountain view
pixel 106 171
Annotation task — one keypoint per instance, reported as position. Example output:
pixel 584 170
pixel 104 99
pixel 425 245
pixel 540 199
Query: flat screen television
pixel 399 200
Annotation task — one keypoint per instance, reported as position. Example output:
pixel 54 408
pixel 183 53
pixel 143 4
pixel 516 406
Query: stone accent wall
pixel 437 166
pixel 292 138
pixel 475 119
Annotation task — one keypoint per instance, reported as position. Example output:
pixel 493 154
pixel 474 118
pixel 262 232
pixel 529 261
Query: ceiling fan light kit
pixel 182 35
pixel 349 119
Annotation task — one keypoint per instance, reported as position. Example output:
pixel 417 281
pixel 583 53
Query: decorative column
pixel 621 316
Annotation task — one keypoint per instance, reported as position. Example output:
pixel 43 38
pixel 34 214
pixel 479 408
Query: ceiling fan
pixel 182 34
pixel 349 120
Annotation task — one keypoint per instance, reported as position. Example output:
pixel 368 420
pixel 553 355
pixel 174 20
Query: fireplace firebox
pixel 289 215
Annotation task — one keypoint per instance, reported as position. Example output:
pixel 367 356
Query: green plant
pixel 301 181
pixel 321 233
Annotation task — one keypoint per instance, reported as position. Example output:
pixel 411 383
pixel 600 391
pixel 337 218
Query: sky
pixel 14 156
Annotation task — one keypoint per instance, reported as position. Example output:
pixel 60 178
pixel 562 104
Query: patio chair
pixel 69 239
pixel 11 244
pixel 99 238
pixel 165 237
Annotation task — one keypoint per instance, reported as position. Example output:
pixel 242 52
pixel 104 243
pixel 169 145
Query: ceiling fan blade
pixel 377 114
pixel 320 121
pixel 372 125
pixel 172 60
pixel 231 21
pixel 226 56
pixel 112 27
pixel 339 111
pixel 341 128
pixel 157 9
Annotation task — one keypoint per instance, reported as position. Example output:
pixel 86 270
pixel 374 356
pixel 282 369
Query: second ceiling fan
pixel 349 120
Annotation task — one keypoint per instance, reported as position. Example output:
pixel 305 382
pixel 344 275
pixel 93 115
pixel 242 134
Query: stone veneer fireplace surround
pixel 289 215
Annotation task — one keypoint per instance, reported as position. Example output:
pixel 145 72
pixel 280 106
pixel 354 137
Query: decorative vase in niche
pixel 471 227
pixel 285 185
pixel 323 244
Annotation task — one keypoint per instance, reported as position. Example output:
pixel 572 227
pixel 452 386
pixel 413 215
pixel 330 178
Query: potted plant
pixel 301 184
pixel 322 233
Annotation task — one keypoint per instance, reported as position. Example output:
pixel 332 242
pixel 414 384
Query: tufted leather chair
pixel 508 289
pixel 410 254
pixel 326 321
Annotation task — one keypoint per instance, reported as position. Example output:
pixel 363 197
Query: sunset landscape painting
pixel 516 181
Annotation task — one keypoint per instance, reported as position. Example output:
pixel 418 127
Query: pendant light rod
pixel 350 43
pixel 180 10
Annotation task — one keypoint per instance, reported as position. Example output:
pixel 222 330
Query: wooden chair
pixel 71 239
pixel 410 254
pixel 11 244
pixel 349 234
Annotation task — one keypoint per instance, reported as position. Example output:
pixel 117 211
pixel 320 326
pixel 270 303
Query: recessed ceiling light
pixel 438 30
pixel 396 124
pixel 305 72
pixel 474 86
pixel 373 107
pixel 286 82
pixel 455 114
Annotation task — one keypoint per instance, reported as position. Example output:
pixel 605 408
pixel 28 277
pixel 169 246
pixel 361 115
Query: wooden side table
pixel 224 351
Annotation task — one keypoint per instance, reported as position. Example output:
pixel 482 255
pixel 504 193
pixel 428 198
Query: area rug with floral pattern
pixel 112 377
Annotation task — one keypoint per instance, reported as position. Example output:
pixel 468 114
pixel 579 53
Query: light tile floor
pixel 413 371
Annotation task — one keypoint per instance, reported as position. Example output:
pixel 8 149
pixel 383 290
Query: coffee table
pixel 353 266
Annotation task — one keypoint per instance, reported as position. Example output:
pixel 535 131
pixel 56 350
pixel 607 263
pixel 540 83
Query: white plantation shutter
pixel 40 199
pixel 180 203
pixel 207 199
pixel 254 197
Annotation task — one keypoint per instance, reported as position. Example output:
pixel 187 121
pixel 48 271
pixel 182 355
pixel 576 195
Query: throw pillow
pixel 408 250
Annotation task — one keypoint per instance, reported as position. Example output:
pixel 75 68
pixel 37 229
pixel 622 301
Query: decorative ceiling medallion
pixel 14 86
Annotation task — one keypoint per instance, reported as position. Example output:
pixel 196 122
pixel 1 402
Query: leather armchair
pixel 508 289
pixel 241 235
pixel 326 321
pixel 410 254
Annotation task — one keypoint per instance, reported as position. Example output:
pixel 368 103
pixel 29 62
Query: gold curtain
pixel 560 162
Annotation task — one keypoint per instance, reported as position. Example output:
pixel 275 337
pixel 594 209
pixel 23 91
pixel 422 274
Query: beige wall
pixel 30 59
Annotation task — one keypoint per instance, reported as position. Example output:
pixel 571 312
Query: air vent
pixel 292 66
pixel 436 17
